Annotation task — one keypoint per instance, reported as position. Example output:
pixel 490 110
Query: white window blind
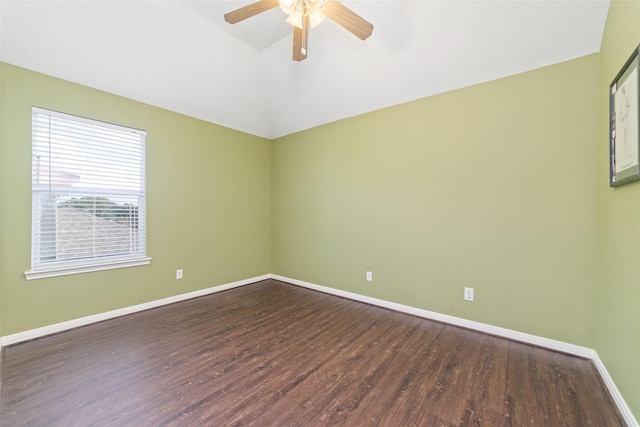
pixel 88 195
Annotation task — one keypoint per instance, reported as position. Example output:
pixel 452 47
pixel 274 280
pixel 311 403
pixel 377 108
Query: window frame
pixel 40 269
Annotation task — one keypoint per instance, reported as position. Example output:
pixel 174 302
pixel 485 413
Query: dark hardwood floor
pixel 273 354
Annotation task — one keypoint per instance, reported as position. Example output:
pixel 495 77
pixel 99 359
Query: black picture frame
pixel 624 123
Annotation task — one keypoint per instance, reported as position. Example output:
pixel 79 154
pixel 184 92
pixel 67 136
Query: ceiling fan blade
pixel 300 39
pixel 250 10
pixel 348 19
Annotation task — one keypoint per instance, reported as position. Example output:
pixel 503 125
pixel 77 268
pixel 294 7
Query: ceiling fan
pixel 304 14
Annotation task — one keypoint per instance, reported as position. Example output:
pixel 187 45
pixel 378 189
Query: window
pixel 88 195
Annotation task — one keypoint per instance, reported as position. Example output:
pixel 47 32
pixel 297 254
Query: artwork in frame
pixel 624 123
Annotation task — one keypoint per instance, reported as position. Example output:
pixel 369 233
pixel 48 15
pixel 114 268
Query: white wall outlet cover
pixel 468 294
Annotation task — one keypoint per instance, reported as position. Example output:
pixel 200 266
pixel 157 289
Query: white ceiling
pixel 182 56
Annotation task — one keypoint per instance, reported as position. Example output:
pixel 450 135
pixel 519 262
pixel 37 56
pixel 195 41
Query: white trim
pixel 70 324
pixel 452 320
pixel 624 409
pixel 85 120
pixel 561 346
pixel 43 273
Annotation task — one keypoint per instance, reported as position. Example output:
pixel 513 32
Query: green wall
pixel 1 209
pixel 492 186
pixel 208 205
pixel 617 325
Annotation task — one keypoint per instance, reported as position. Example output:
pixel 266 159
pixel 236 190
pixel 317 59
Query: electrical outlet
pixel 179 274
pixel 369 276
pixel 468 294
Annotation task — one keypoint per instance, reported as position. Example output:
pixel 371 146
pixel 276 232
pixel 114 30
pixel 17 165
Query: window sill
pixel 43 273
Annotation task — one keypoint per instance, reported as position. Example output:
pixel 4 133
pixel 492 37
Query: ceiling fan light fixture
pixel 288 6
pixel 295 18
pixel 314 6
pixel 296 9
pixel 316 18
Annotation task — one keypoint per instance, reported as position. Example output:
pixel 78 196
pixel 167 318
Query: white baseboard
pixel 70 324
pixel 561 346
pixel 452 320
pixel 624 409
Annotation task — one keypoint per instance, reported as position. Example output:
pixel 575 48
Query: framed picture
pixel 624 124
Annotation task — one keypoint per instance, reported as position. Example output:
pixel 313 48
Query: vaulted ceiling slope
pixel 182 56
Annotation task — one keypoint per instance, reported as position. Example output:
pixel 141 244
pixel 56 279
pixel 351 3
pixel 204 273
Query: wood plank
pixel 276 354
